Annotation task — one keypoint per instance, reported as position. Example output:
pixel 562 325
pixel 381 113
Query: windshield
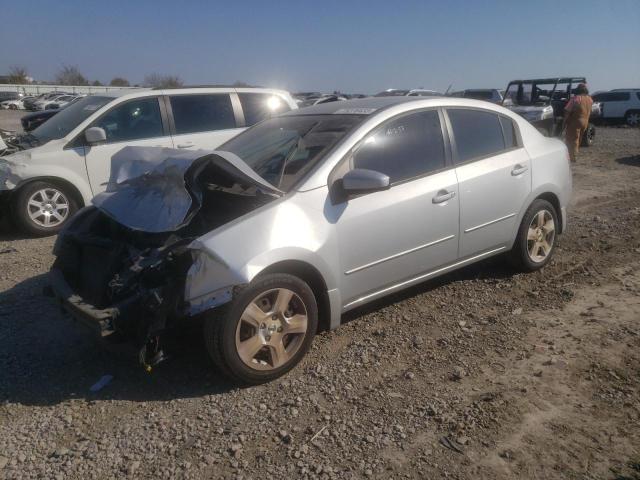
pixel 66 120
pixel 529 93
pixel 283 149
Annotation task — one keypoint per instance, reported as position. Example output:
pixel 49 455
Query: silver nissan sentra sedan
pixel 303 217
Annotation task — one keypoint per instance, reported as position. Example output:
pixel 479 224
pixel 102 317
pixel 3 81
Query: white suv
pixel 620 104
pixel 68 159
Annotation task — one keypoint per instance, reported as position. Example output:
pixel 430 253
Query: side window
pixel 403 148
pixel 134 120
pixel 612 97
pixel 258 106
pixel 202 113
pixel 477 133
pixel 509 131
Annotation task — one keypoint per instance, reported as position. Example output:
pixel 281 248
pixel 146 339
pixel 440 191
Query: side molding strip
pixel 396 255
pixel 421 277
pixel 489 223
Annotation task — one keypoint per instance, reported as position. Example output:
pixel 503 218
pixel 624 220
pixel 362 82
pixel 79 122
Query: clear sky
pixel 352 46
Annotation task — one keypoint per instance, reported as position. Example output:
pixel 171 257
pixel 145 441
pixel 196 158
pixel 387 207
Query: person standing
pixel 576 119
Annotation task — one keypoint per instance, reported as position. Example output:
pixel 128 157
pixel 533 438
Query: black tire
pixel 13 107
pixel 20 208
pixel 519 255
pixel 220 329
pixel 589 136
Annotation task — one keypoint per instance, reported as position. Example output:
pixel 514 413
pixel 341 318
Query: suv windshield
pixel 283 149
pixel 69 118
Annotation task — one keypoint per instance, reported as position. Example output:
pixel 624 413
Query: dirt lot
pixel 482 374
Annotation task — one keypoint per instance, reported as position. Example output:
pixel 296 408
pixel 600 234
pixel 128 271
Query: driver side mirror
pixel 360 180
pixel 95 135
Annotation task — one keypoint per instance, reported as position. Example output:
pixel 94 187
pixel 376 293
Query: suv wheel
pixel 265 332
pixel 589 136
pixel 536 239
pixel 632 118
pixel 42 208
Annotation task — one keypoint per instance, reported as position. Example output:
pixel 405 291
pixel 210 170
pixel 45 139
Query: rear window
pixel 477 133
pixel 258 106
pixel 202 113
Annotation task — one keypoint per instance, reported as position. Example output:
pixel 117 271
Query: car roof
pixel 361 106
pixel 552 80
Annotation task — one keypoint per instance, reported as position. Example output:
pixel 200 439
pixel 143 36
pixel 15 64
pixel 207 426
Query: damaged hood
pixel 154 189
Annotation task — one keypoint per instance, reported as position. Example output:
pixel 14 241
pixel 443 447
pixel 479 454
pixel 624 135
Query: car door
pixel 494 177
pixel 203 120
pixel 137 122
pixel 390 237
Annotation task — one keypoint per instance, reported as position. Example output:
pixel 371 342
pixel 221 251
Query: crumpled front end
pixel 119 281
pixel 125 274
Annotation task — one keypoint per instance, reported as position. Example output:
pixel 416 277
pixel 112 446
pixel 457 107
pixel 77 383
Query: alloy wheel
pixel 272 329
pixel 48 207
pixel 633 119
pixel 541 236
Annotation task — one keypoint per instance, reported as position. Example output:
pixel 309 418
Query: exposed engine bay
pixel 122 264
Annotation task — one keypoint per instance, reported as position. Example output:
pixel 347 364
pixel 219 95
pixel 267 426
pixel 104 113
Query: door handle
pixel 518 170
pixel 443 196
pixel 185 145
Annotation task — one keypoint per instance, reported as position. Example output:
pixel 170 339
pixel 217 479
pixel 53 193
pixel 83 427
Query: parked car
pixel 73 159
pixel 42 104
pixel 31 121
pixel 620 104
pixel 325 98
pixel 59 102
pixel 305 216
pixel 542 101
pixel 416 92
pixel 30 103
pixel 492 95
pixel 9 96
pixel 62 102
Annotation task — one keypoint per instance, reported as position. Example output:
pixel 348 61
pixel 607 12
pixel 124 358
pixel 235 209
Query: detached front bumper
pixel 99 320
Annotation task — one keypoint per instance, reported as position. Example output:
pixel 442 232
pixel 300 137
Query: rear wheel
pixel 266 331
pixel 632 117
pixel 42 208
pixel 589 136
pixel 536 239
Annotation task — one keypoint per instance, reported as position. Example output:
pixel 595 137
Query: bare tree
pixel 70 75
pixel 119 82
pixel 18 74
pixel 157 80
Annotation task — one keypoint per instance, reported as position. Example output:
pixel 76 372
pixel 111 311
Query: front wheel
pixel 266 331
pixel 536 238
pixel 42 208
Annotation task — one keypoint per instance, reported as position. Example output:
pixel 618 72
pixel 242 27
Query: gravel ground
pixel 482 374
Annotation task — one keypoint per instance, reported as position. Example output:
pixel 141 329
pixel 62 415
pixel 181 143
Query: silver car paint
pixel 378 243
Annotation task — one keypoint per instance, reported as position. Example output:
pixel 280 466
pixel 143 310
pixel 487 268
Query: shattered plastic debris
pixel 100 384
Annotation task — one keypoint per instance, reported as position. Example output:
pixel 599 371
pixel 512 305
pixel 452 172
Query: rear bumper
pixel 99 320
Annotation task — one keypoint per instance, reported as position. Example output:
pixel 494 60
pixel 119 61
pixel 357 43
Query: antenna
pixel 448 88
